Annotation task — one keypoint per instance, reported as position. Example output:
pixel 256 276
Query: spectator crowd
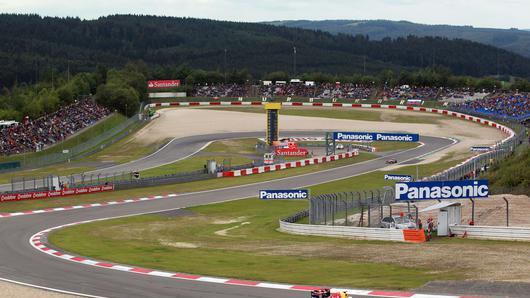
pixel 512 105
pixel 221 90
pixel 32 135
pixel 326 91
pixel 407 92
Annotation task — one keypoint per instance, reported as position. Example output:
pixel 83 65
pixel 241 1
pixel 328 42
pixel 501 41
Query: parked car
pixel 391 161
pixel 397 222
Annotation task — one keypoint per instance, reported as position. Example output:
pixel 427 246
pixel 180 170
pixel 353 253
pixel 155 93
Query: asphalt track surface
pixel 21 262
pixel 173 151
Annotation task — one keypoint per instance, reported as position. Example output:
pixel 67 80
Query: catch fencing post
pixel 472 210
pixel 507 212
pixel 369 214
pixel 417 216
pixel 346 210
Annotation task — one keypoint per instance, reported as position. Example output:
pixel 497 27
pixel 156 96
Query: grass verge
pixel 239 239
pixel 15 206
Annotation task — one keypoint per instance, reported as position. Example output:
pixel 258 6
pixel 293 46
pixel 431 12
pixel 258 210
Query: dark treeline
pixel 34 48
pixel 120 90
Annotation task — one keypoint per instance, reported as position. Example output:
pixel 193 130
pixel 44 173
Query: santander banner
pixel 55 193
pixel 163 84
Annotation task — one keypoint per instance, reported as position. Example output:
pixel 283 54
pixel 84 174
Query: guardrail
pixel 343 231
pixel 492 233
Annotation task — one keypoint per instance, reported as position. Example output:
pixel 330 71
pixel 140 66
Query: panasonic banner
pixel 375 136
pixel 397 177
pixel 441 190
pixel 288 194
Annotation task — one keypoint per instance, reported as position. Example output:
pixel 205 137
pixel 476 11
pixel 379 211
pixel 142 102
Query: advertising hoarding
pixel 398 177
pixel 375 136
pixel 441 190
pixel 163 84
pixel 284 194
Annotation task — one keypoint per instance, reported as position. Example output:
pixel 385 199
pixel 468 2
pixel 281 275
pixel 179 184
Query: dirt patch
pixel 178 244
pixel 491 211
pixel 224 232
pixel 229 221
pixel 183 122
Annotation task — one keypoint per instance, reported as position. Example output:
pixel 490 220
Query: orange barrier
pixel 415 236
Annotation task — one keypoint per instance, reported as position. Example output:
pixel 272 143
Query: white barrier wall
pixel 493 233
pixel 343 231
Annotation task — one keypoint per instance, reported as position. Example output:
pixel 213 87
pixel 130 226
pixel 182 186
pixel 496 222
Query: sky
pixel 478 13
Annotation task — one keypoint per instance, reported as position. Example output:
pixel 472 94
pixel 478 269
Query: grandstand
pixel 507 105
pixel 36 135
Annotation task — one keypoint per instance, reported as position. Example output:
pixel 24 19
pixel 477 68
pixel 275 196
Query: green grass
pixel 347 114
pixel 393 146
pixel 15 206
pixel 92 132
pixel 193 164
pixel 125 150
pixel 254 251
pixel 375 180
pixel 512 175
pixel 233 146
pixel 233 149
pixel 59 169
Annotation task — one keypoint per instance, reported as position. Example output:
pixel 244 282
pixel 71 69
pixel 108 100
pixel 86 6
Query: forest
pixel 35 48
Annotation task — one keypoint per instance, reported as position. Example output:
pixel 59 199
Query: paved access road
pixel 21 262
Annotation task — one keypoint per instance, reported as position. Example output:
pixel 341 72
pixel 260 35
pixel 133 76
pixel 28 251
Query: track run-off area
pixel 24 233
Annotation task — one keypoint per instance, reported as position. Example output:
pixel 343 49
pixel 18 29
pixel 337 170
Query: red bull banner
pixel 55 193
pixel 159 84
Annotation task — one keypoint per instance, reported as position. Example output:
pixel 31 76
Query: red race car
pixel 321 293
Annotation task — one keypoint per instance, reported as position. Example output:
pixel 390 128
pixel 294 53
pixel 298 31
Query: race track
pixel 21 262
pixel 176 149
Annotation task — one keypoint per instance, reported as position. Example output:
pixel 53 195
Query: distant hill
pixel 31 46
pixel 517 41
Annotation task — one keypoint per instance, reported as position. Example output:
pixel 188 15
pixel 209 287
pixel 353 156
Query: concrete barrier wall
pixel 493 233
pixel 343 231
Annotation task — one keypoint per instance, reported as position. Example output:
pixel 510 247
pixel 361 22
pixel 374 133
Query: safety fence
pixel 128 180
pixel 356 208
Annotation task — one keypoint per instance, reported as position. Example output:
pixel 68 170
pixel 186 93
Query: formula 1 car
pixel 391 161
pixel 321 293
pixel 326 293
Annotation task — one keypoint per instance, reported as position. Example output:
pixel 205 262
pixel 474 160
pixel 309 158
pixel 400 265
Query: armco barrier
pixel 492 233
pixel 343 231
pixel 55 193
pixel 288 165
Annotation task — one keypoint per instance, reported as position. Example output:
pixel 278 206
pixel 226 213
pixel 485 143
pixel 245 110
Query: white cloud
pixel 481 13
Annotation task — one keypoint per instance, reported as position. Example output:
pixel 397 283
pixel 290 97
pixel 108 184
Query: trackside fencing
pixel 356 208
